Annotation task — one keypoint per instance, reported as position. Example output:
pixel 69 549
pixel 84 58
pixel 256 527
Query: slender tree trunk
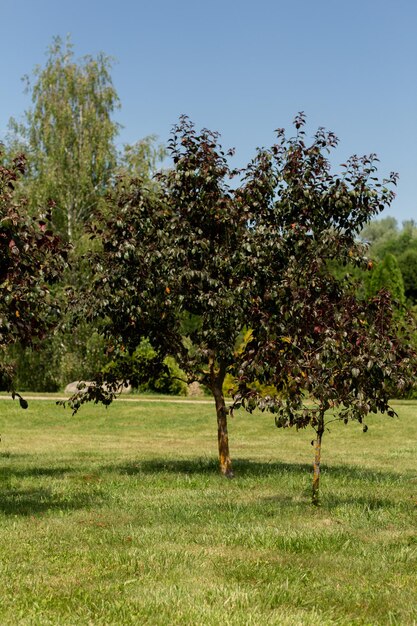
pixel 217 379
pixel 70 223
pixel 317 461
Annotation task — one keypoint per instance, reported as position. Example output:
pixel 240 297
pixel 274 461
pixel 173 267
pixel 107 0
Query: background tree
pixel 387 275
pixel 407 263
pixel 394 241
pixel 141 159
pixel 386 239
pixel 378 232
pixel 69 135
pixel 32 259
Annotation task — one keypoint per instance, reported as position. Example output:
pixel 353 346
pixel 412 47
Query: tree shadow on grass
pixel 37 500
pixel 367 503
pixel 332 501
pixel 27 502
pixel 195 466
pixel 245 468
pixel 34 471
pixel 347 486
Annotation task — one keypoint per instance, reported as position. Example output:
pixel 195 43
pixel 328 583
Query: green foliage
pixel 387 275
pixel 69 135
pixel 231 387
pixel 83 352
pixel 171 381
pixel 37 370
pixel 141 159
pixel 386 239
pixel 60 358
pixel 379 232
pixel 407 263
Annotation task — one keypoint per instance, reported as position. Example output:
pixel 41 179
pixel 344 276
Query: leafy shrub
pixel 387 275
pixel 230 387
pixel 37 369
pixel 82 354
pixel 58 360
pixel 171 381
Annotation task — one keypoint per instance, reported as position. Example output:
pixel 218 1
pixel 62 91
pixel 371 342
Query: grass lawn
pixel 119 517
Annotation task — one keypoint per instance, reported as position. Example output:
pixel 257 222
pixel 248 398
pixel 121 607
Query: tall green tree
pixel 141 159
pixel 407 262
pixel 68 135
pixel 378 232
pixel 386 239
pixel 387 275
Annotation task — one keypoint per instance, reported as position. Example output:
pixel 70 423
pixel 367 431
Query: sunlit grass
pixel 119 516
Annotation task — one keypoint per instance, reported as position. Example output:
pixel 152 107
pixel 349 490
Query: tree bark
pixel 217 379
pixel 317 461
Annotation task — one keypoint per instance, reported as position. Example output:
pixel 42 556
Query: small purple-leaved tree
pixel 329 353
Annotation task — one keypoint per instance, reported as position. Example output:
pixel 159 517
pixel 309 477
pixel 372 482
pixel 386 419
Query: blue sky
pixel 242 68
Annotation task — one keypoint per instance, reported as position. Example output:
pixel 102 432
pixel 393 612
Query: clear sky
pixel 240 67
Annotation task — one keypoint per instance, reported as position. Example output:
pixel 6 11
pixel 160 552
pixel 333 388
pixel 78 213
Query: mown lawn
pixel 119 517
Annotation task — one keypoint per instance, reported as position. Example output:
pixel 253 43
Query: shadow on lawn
pixel 37 500
pixel 31 472
pixel 40 500
pixel 26 502
pixel 244 468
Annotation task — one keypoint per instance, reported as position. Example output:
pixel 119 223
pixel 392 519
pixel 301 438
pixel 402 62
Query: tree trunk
pixel 70 223
pixel 217 380
pixel 317 460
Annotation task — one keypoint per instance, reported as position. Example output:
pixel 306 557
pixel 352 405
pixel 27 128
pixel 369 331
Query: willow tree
pixel 68 135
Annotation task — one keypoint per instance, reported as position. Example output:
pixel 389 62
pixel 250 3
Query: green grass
pixel 119 517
